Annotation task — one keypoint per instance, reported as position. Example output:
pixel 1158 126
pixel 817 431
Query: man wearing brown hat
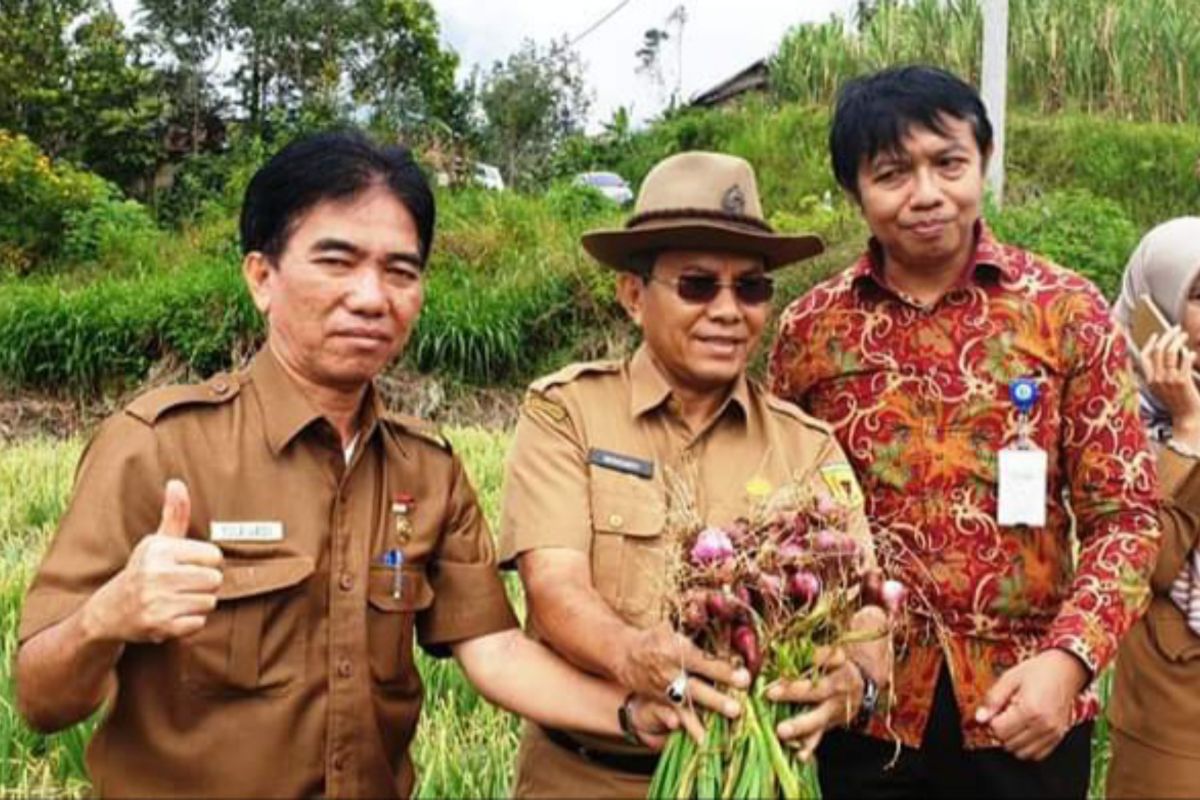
pixel 585 506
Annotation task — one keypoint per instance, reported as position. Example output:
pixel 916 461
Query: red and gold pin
pixel 403 505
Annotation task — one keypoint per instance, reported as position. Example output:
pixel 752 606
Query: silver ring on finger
pixel 677 689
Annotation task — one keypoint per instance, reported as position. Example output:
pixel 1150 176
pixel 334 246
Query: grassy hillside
pixel 511 293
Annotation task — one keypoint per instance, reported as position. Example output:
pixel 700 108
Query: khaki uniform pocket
pixel 391 619
pixel 1171 634
pixel 255 638
pixel 629 558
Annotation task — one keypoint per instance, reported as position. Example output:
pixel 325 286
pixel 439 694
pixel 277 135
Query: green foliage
pixel 786 144
pixel 510 292
pixel 1136 59
pixel 41 201
pixel 109 231
pixel 532 102
pixel 107 334
pixel 212 185
pixel 75 83
pixel 508 285
pixel 569 201
pixel 1149 169
pixel 1076 229
pixel 400 69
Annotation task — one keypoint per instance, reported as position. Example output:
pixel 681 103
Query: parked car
pixel 609 184
pixel 488 176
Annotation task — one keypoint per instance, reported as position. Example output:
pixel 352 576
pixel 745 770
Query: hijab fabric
pixel 1165 265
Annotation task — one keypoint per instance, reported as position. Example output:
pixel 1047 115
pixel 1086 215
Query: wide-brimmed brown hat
pixel 699 201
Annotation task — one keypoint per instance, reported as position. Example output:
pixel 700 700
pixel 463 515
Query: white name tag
pixel 246 531
pixel 1022 495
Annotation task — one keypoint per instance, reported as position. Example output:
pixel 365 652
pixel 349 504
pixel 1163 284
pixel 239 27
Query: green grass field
pixel 464 748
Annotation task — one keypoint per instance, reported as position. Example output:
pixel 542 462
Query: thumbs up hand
pixel 168 586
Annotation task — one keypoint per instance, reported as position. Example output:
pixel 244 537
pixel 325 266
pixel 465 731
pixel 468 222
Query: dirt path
pixel 26 414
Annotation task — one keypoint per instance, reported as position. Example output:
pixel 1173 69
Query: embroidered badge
pixel 842 485
pixel 734 200
pixel 758 488
pixel 538 405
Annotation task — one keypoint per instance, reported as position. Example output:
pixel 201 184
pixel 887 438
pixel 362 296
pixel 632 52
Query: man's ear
pixel 631 294
pixel 987 156
pixel 259 275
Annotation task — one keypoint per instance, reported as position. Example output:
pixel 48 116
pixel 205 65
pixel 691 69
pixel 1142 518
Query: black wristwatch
pixel 870 700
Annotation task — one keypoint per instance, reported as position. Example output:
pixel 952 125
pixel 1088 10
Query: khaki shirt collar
pixel 650 388
pixel 287 410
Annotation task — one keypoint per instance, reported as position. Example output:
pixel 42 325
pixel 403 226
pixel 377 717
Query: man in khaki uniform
pixel 599 445
pixel 251 626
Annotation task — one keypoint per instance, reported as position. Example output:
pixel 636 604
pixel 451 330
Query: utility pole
pixel 995 86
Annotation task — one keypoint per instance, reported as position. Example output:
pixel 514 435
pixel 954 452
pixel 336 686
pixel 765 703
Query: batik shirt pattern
pixel 919 399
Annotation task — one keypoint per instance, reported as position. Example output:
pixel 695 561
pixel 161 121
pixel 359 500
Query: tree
pixel 650 54
pixel 649 57
pixel 257 32
pixel 34 68
pixel 678 18
pixel 398 68
pixel 532 102
pixel 117 102
pixel 75 84
pixel 190 33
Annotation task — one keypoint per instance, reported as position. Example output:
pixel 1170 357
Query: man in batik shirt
pixel 982 395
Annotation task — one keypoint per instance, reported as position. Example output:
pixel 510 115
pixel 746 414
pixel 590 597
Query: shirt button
pixel 220 387
pixel 616 520
pixel 346 581
pixel 345 669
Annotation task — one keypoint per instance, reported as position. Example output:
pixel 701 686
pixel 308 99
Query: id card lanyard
pixel 1022 483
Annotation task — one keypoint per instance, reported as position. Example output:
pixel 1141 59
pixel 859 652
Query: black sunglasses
pixel 750 290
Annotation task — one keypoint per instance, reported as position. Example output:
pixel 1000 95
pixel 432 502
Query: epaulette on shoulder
pixel 789 409
pixel 420 428
pixel 573 372
pixel 153 404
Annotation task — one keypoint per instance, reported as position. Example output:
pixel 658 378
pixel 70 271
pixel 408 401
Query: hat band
pixel 694 213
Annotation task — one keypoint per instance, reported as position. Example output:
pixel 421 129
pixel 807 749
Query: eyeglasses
pixel 750 290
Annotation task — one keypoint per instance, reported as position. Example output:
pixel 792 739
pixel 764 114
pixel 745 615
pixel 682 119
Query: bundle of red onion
pixel 766 591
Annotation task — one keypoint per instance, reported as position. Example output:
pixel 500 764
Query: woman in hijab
pixel 1156 692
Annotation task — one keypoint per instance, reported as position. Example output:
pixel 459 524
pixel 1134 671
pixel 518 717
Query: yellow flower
pixel 758 487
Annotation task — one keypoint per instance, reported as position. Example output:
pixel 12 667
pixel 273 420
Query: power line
pixel 599 22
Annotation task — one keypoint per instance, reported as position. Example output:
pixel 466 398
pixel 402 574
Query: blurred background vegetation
pixel 123 162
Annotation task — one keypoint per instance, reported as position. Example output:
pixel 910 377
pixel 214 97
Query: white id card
pixel 1022 499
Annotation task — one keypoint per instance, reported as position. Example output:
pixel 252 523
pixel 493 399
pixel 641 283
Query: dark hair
pixel 642 263
pixel 874 112
pixel 329 166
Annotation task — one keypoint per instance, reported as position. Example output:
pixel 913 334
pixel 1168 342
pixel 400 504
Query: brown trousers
pixel 545 770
